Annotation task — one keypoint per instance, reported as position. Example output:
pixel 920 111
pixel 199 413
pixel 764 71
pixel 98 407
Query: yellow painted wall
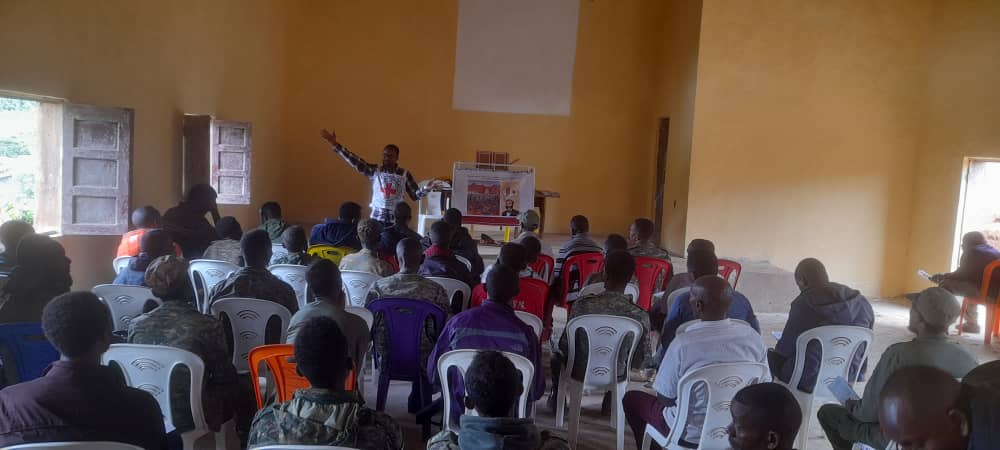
pixel 382 72
pixel 163 59
pixel 960 120
pixel 805 133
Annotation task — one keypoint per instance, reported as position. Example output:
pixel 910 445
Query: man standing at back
pixel 967 280
pixel 186 222
pixel 254 280
pixel 715 339
pixel 342 232
pixel 640 237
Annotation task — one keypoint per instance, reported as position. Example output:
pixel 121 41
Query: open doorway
pixel 979 205
pixel 20 122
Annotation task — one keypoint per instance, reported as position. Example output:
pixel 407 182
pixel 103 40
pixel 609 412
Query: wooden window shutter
pixel 96 169
pixel 230 161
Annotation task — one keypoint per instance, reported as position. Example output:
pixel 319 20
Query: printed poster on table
pixel 504 191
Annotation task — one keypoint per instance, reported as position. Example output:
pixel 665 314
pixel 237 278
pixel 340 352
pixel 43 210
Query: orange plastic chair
pixel 728 267
pixel 992 318
pixel 585 264
pixel 648 271
pixel 279 360
pixel 330 252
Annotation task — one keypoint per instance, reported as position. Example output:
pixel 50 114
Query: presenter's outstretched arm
pixel 358 163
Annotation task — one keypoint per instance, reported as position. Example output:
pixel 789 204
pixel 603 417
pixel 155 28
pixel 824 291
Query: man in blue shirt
pixel 342 232
pixel 702 264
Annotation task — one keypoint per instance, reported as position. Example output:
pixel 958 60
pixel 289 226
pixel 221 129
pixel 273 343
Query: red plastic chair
pixel 992 318
pixel 648 271
pixel 389 258
pixel 478 296
pixel 729 268
pixel 531 298
pixel 584 263
pixel 543 266
pixel 278 358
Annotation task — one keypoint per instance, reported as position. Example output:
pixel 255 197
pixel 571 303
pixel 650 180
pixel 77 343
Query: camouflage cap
pixel 163 273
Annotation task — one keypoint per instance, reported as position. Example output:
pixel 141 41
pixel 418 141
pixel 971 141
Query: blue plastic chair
pixel 27 346
pixel 405 319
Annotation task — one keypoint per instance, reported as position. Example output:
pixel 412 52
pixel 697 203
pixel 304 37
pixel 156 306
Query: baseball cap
pixel 163 273
pixel 529 218
pixel 936 306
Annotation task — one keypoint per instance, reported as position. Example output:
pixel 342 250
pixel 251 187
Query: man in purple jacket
pixel 492 326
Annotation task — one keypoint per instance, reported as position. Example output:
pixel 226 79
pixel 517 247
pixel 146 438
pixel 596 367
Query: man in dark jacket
pixel 342 232
pixel 462 242
pixel 439 259
pixel 820 303
pixel 967 280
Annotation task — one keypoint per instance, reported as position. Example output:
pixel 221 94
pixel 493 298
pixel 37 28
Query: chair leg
pixel 647 440
pixel 991 317
pixel 561 403
pixel 618 414
pixel 383 389
pixel 222 436
pixel 575 400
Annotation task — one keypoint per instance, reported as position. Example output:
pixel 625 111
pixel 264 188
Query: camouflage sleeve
pixel 219 367
pixel 382 432
pixel 264 429
pixel 445 440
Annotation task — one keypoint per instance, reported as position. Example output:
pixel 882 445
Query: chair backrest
pixel 583 264
pixel 280 362
pixel 120 263
pixel 839 344
pixel 124 302
pixel 453 287
pixel 91 445
pixel 278 251
pixel 357 285
pixel 330 252
pixel 248 318
pixel 730 270
pixel 531 297
pixel 405 319
pixel 648 271
pixel 206 273
pixel 461 360
pixel 543 267
pixel 632 290
pixel 605 334
pixel 363 313
pixel 465 261
pixel 984 290
pixel 722 382
pixel 532 321
pixel 148 367
pixel 295 276
pixel 27 346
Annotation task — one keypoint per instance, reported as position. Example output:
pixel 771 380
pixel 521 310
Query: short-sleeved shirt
pixel 703 344
pixel 355 328
pixel 681 312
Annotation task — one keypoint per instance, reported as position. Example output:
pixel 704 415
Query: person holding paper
pixel 931 313
pixel 967 280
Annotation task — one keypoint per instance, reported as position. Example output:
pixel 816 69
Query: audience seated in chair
pixel 323 278
pixel 271 222
pixel 716 339
pixel 367 260
pixel 342 232
pixel 580 242
pixel 42 272
pixel 640 238
pixel 492 326
pixel 155 243
pixel 492 388
pixel 529 221
pixel 78 399
pixel 703 265
pixel 967 280
pixel 618 268
pixel 613 243
pixel 398 231
pixel 462 242
pixel 176 323
pixel 820 303
pixel 931 313
pixel 11 233
pixel 440 261
pixel 324 414
pixel 532 250
pixel 294 241
pixel 658 313
pixel 144 218
pixel 766 416
pixel 186 222
pixel 254 280
pixel 227 247
pixel 512 255
pixel 926 408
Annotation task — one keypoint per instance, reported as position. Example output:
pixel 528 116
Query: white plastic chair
pixel 210 273
pixel 532 320
pixel 596 288
pixel 93 445
pixel 302 447
pixel 121 262
pixel 838 344
pixel 465 261
pixel 148 367
pixel 124 302
pixel 277 251
pixel 357 285
pixel 462 359
pixel 673 297
pixel 605 335
pixel 295 276
pixel 452 286
pixel 248 318
pixel 722 382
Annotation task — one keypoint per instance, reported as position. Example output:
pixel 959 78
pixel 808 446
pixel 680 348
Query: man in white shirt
pixel 714 339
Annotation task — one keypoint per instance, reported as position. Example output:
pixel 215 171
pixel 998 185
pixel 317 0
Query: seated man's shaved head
pixel 711 297
pixel 919 409
pixel 146 217
pixel 409 254
pixel 579 224
pixel 704 245
pixel 810 273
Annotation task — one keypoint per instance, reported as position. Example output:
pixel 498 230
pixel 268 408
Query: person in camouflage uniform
pixel 178 324
pixel 324 414
pixel 612 243
pixel 294 240
pixel 254 281
pixel 271 222
pixel 492 389
pixel 640 236
pixel 227 248
pixel 367 260
pixel 618 267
